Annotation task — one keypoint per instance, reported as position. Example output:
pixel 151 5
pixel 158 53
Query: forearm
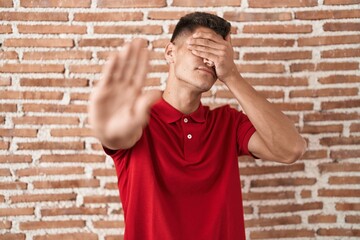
pixel 275 129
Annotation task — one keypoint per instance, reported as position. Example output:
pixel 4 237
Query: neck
pixel 181 97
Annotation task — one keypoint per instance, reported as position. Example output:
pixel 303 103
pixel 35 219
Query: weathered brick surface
pixel 57 183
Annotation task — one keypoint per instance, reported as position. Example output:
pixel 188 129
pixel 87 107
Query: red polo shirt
pixel 181 180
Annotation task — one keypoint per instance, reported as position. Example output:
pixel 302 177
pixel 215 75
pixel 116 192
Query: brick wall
pixel 303 55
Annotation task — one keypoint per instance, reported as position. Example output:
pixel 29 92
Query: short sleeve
pixel 244 130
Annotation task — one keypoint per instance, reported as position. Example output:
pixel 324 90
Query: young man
pixel 176 161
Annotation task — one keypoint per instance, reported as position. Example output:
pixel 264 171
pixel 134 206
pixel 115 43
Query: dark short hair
pixel 194 20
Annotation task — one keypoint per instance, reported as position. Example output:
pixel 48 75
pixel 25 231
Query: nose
pixel 208 62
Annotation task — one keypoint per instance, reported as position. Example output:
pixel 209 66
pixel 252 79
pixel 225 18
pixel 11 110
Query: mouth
pixel 207 70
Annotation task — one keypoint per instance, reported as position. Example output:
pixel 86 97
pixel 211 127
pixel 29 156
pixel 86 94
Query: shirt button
pixel 186 120
pixel 189 136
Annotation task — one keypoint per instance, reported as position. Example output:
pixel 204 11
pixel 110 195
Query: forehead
pixel 183 37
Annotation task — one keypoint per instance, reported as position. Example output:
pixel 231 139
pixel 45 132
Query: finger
pixel 144 103
pixel 120 63
pixel 108 70
pixel 205 43
pixel 209 35
pixel 142 69
pixel 205 49
pixel 132 61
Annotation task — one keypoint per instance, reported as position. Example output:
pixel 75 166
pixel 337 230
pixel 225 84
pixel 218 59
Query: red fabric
pixel 176 188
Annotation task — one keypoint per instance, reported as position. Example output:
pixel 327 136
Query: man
pixel 176 161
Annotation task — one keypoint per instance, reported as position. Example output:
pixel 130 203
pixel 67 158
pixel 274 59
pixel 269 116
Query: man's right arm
pixel 118 108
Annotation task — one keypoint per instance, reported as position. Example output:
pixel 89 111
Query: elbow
pixel 297 152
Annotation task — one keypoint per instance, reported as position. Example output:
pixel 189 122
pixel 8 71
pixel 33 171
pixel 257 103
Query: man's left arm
pixel 276 137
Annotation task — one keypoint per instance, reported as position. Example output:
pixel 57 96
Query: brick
pixel 264 222
pixel 89 158
pixel 72 132
pixel 79 97
pixel 5 172
pixel 314 93
pixel 341 53
pixel 6 3
pixel 352 219
pixel 343 180
pixel 277 29
pixel 253 196
pixel 314 154
pixel 131 3
pixel 327 14
pixel 55 4
pixel 291 208
pixel 31 95
pixel 79 183
pixel 206 3
pixel 51 146
pixel 25 198
pixel 15 159
pixel 340 104
pixel 4 145
pixel 257 16
pixel 339 167
pixel 97 147
pixel 54 55
pixel 329 40
pixel 262 42
pixel 282 182
pixel 74 236
pixel 73 211
pixel 325 66
pixel 281 3
pixel 318 129
pixel 111 186
pixel 319 218
pixel 294 106
pixel 108 16
pixel 34 16
pixel 306 194
pixel 341 2
pixel 331 141
pixel 114 237
pixel 54 82
pixel 276 234
pixel 5 224
pixel 261 68
pixel 49 171
pixel 26 120
pixel 13 236
pixel 52 29
pixel 355 127
pixel 339 193
pixel 101 199
pixel 339 79
pixel 335 27
pixel 338 232
pixel 8 55
pixel 166 15
pixel 5 29
pixel 54 108
pixel 347 206
pixel 11 132
pixel 344 154
pixel 278 81
pixel 32 68
pixel 104 172
pixel 34 225
pixel 88 68
pixel 271 169
pixel 101 42
pixel 108 224
pixel 18 211
pixel 8 107
pixel 5 81
pixel 138 29
pixel 251 56
pixel 37 42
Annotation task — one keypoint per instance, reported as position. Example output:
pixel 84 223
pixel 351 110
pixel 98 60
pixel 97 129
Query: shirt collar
pixel 170 114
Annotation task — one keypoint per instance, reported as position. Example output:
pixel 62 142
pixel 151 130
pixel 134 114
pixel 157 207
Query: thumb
pixel 143 104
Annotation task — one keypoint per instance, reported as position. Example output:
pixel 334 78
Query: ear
pixel 170 52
